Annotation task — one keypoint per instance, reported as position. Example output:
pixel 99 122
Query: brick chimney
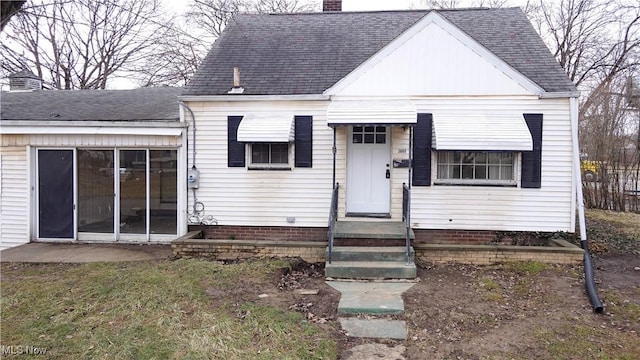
pixel 331 5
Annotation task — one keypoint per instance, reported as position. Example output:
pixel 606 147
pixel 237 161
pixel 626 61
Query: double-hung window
pixel 270 141
pixel 272 155
pixel 497 150
pixel 476 167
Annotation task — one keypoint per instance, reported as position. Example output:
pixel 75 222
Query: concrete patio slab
pixel 374 328
pixel 79 253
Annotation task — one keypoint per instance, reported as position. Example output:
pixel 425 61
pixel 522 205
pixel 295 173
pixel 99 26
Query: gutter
pixel 558 95
pixel 239 98
pixel 589 282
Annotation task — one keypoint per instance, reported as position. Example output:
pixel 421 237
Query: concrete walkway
pixel 373 298
pixel 80 253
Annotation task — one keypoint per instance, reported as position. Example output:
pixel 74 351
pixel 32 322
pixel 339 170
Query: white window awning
pixel 266 127
pixel 481 133
pixel 375 112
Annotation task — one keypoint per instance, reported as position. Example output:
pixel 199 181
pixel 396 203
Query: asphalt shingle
pixel 307 53
pixel 143 104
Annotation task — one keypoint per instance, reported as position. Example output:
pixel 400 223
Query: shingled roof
pixel 307 53
pixel 143 104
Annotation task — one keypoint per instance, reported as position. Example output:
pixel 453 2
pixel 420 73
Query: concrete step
pixel 370 270
pixel 374 253
pixel 371 297
pixel 374 328
pixel 371 230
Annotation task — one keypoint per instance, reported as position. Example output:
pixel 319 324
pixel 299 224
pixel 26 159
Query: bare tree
pixel 282 6
pixel 452 4
pixel 8 9
pixel 81 44
pixel 598 43
pixel 213 15
pixel 174 61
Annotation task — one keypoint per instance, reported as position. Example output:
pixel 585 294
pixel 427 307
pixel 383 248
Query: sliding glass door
pixel 95 191
pixel 121 194
pixel 163 191
pixel 133 191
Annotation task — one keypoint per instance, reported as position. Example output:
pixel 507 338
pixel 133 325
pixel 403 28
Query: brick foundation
pixel 192 245
pixel 277 233
pixel 272 233
pixel 561 252
pixel 226 250
pixel 472 237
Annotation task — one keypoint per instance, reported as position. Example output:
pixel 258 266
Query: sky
pixel 347 5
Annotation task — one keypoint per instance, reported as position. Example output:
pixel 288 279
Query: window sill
pixel 269 168
pixel 480 184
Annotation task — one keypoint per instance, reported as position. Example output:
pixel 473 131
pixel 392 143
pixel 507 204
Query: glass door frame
pixel 116 235
pixel 36 197
pixel 88 236
pixel 130 237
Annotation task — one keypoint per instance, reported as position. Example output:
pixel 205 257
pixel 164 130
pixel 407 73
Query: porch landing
pixel 371 230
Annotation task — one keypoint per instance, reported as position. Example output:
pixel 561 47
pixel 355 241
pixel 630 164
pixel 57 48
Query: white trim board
pixel 90 130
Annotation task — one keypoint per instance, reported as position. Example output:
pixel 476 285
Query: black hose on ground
pixel 589 282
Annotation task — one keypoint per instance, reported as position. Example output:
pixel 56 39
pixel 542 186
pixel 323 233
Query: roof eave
pixel 560 94
pixel 237 98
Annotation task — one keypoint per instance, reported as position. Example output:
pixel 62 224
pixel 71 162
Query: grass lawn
pixel 146 310
pixel 196 309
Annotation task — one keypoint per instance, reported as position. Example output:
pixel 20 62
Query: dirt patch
pixel 476 312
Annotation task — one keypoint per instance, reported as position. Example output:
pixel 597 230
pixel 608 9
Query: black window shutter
pixel 422 150
pixel 304 141
pixel 531 175
pixel 235 149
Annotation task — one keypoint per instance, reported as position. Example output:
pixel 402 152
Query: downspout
pixel 193 118
pixel 589 282
pixel 193 147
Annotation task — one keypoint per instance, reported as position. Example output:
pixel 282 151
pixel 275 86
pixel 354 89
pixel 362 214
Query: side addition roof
pixel 143 104
pixel 295 54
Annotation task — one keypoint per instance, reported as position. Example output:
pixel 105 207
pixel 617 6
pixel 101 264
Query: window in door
pixel 95 191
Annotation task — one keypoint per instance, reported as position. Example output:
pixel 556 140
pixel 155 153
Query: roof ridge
pixel 306 53
pixel 328 13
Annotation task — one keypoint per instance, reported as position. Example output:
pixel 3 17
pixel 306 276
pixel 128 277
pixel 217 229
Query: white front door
pixel 368 171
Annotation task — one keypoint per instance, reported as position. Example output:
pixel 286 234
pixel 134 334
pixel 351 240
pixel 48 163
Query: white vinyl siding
pixel 549 208
pixel 239 196
pixel 14 196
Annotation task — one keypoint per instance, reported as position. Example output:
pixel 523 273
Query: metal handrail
pixel 406 218
pixel 333 217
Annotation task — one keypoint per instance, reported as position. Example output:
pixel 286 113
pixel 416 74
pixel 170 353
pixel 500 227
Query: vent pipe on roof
pixel 237 89
pixel 331 5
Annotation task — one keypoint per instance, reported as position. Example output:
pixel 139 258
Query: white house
pixel 459 120
pixel 90 165
pixel 467 108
